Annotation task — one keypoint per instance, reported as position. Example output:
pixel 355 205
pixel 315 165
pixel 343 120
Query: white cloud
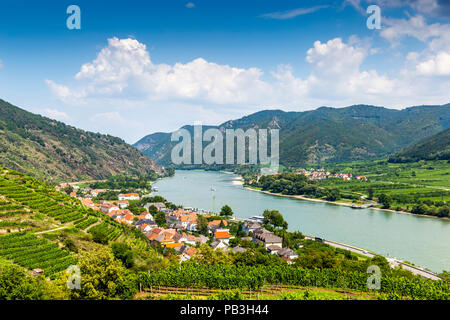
pixel 55 114
pixel 124 68
pixel 437 65
pixel 418 28
pixel 435 58
pixel 336 70
pixel 190 5
pixel 125 89
pixel 292 13
pixel 1 63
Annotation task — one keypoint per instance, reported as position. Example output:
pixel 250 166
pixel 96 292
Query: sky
pixel 138 67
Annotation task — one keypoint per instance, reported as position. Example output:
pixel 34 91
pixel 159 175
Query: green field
pixel 407 184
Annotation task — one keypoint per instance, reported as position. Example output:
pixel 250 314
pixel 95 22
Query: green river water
pixel 421 240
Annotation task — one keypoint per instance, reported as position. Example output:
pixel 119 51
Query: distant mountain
pixel 436 147
pixel 49 149
pixel 329 134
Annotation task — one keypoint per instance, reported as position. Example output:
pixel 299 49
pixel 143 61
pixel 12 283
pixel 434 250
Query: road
pixel 393 262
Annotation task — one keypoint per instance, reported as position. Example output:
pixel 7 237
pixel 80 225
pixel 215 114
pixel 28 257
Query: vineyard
pixel 255 277
pixel 32 252
pixel 111 231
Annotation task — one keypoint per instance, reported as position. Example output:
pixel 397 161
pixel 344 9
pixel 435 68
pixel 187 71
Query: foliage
pixel 122 252
pixel 226 211
pixel 16 284
pixel 274 218
pixel 103 277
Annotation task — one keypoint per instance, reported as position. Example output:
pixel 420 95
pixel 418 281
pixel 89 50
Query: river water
pixel 421 240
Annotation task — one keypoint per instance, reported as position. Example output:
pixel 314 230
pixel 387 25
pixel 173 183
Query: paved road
pixel 392 261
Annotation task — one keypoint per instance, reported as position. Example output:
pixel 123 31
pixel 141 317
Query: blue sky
pixel 138 67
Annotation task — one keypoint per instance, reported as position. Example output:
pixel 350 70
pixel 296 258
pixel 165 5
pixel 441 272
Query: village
pixel 184 229
pixel 319 174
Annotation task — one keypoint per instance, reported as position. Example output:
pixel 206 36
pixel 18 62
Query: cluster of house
pixel 180 224
pixel 320 174
pixel 272 242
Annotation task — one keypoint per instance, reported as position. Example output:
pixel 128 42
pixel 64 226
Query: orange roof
pixel 130 195
pixel 191 251
pixel 217 223
pixel 174 245
pixel 222 235
pixel 188 218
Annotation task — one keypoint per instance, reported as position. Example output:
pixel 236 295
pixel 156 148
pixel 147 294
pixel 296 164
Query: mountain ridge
pixel 51 150
pixel 328 134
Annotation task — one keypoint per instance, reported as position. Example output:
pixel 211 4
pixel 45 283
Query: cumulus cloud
pixel 336 68
pixel 124 69
pixel 190 5
pixel 437 65
pixel 55 114
pixel 123 80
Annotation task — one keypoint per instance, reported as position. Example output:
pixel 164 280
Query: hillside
pixel 329 134
pixel 436 147
pixel 44 228
pixel 49 149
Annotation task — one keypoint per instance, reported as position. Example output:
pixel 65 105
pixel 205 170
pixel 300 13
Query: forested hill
pixel 329 134
pixel 436 147
pixel 51 150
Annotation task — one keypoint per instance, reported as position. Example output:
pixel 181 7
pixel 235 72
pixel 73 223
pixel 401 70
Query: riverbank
pixel 423 242
pixel 299 197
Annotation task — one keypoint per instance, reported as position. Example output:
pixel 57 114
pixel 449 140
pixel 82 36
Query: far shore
pixel 299 197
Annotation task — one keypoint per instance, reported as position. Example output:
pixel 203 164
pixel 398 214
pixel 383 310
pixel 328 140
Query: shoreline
pixel 299 197
pixel 408 265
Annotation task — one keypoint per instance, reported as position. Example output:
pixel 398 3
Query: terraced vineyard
pixel 32 252
pixel 29 207
pixel 110 230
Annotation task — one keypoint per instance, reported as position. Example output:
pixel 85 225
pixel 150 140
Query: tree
pixel 202 224
pixel 370 193
pixel 103 277
pixel 275 218
pixel 99 236
pixel 384 200
pixel 160 219
pixel 152 209
pixel 226 211
pixel 122 252
pixel 333 194
pixel 16 284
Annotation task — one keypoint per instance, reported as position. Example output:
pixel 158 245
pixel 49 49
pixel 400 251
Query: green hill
pixel 49 149
pixel 329 134
pixel 37 223
pixel 436 147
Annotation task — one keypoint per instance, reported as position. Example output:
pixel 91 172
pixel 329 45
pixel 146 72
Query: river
pixel 421 240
